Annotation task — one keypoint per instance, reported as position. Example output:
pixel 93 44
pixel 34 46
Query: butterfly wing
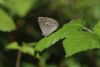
pixel 47 25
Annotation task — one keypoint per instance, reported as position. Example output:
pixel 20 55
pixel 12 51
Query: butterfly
pixel 47 25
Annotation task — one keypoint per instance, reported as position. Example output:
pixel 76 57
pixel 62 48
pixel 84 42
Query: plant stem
pixel 18 59
pixel 87 29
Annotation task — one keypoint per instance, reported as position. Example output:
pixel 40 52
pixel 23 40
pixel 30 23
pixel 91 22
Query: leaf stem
pixel 18 59
pixel 87 29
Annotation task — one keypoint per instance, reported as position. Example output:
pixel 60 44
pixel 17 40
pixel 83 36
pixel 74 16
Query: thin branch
pixel 18 59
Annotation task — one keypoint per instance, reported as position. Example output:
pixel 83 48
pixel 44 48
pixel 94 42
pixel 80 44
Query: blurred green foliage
pixel 7 23
pixel 68 46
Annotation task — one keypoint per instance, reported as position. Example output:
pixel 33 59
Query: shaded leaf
pixel 71 62
pixel 51 65
pixel 24 64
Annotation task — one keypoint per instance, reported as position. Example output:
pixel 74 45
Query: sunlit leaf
pixel 1 1
pixel 13 45
pixel 80 41
pixel 20 7
pixel 27 49
pixel 96 28
pixel 46 42
pixel 6 22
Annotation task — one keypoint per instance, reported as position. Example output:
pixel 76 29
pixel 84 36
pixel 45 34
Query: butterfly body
pixel 47 25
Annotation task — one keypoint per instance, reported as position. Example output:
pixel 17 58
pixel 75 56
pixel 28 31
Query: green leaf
pixel 46 42
pixel 20 7
pixel 1 1
pixel 27 49
pixel 80 41
pixel 51 65
pixel 96 28
pixel 24 64
pixel 6 22
pixel 71 62
pixel 13 45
